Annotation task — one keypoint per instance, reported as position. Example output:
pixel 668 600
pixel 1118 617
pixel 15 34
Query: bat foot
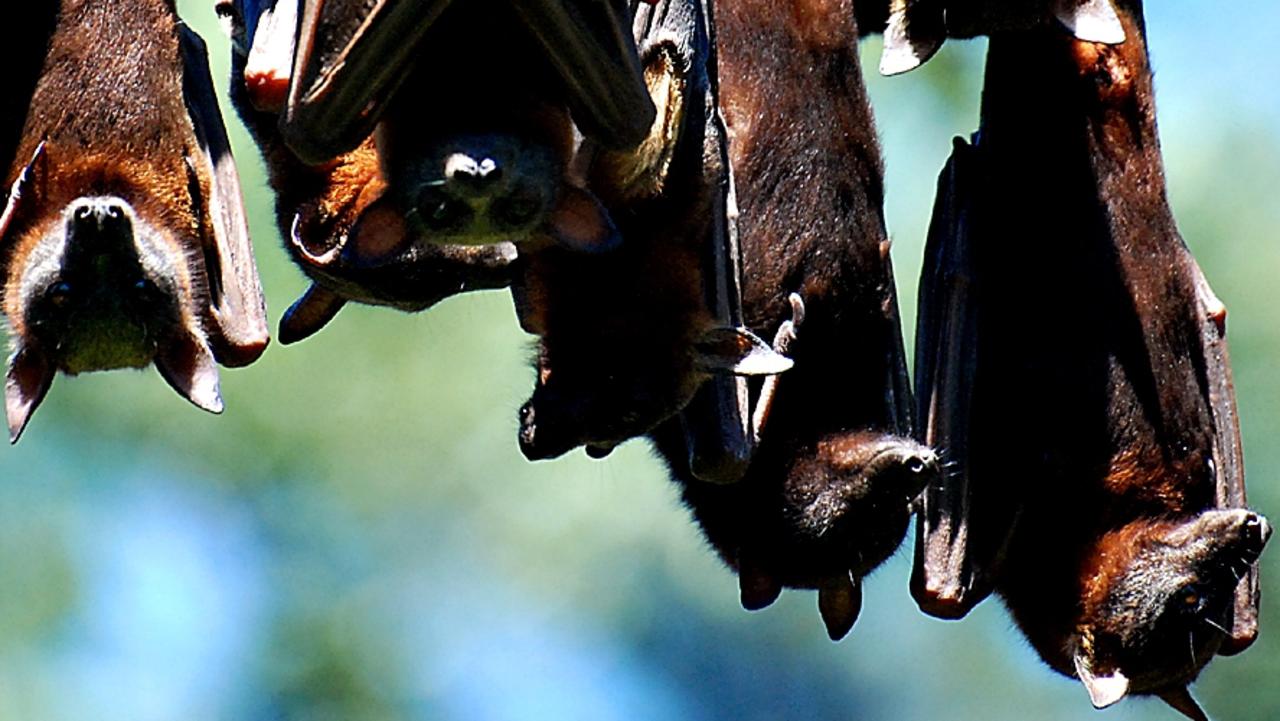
pixel 757 587
pixel 839 603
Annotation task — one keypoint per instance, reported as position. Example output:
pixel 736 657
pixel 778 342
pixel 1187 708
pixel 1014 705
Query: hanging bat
pixel 1111 515
pixel 917 28
pixel 627 338
pixel 474 106
pixel 123 238
pixel 336 226
pixel 827 494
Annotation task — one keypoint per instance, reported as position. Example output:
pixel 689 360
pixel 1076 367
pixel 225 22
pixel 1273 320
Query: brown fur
pixel 111 133
pixel 618 330
pixel 813 508
pixel 1092 427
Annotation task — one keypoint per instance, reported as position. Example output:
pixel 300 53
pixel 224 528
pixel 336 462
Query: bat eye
pixel 1190 599
pixel 441 212
pixel 916 465
pixel 59 294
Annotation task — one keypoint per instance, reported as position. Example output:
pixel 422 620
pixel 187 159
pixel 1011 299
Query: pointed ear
pixel 187 364
pixel 378 234
pixel 914 33
pixel 28 380
pixel 1103 690
pixel 237 316
pixel 738 351
pixel 21 188
pixel 1180 699
pixel 1093 21
pixel 309 314
pixel 579 222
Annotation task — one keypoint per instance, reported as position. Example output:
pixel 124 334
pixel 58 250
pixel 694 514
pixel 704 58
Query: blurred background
pixel 358 537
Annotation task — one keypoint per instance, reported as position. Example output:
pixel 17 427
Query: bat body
pixel 336 223
pixel 123 239
pixel 628 337
pixel 1072 365
pixel 827 493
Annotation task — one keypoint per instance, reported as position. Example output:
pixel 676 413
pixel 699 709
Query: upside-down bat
pixel 917 28
pixel 475 106
pixel 626 338
pixel 1110 516
pixel 349 255
pixel 123 239
pixel 476 155
pixel 827 492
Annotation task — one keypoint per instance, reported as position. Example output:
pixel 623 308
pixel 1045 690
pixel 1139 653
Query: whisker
pixel 1216 625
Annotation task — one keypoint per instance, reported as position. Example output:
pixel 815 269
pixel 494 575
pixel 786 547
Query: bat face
pixel 124 242
pixel 99 287
pixel 1159 614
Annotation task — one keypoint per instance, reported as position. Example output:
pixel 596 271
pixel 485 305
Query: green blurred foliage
pixel 357 537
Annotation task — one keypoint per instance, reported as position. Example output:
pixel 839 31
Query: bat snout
pixel 466 175
pixel 92 221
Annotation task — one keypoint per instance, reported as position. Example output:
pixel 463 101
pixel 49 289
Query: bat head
pixel 122 241
pixel 857 489
pixel 1158 604
pixel 489 163
pixel 98 283
pixel 818 516
pixel 611 392
pixel 100 287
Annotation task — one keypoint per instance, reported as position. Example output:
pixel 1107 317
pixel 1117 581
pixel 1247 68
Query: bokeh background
pixel 358 537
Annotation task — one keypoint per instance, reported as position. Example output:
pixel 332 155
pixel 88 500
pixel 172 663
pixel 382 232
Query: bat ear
pixel 914 33
pixel 738 351
pixel 1094 21
pixel 309 314
pixel 187 364
pixel 21 189
pixel 29 377
pixel 1182 702
pixel 581 223
pixel 1103 690
pixel 237 314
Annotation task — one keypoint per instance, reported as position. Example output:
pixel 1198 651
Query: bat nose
pixel 98 217
pixel 472 176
